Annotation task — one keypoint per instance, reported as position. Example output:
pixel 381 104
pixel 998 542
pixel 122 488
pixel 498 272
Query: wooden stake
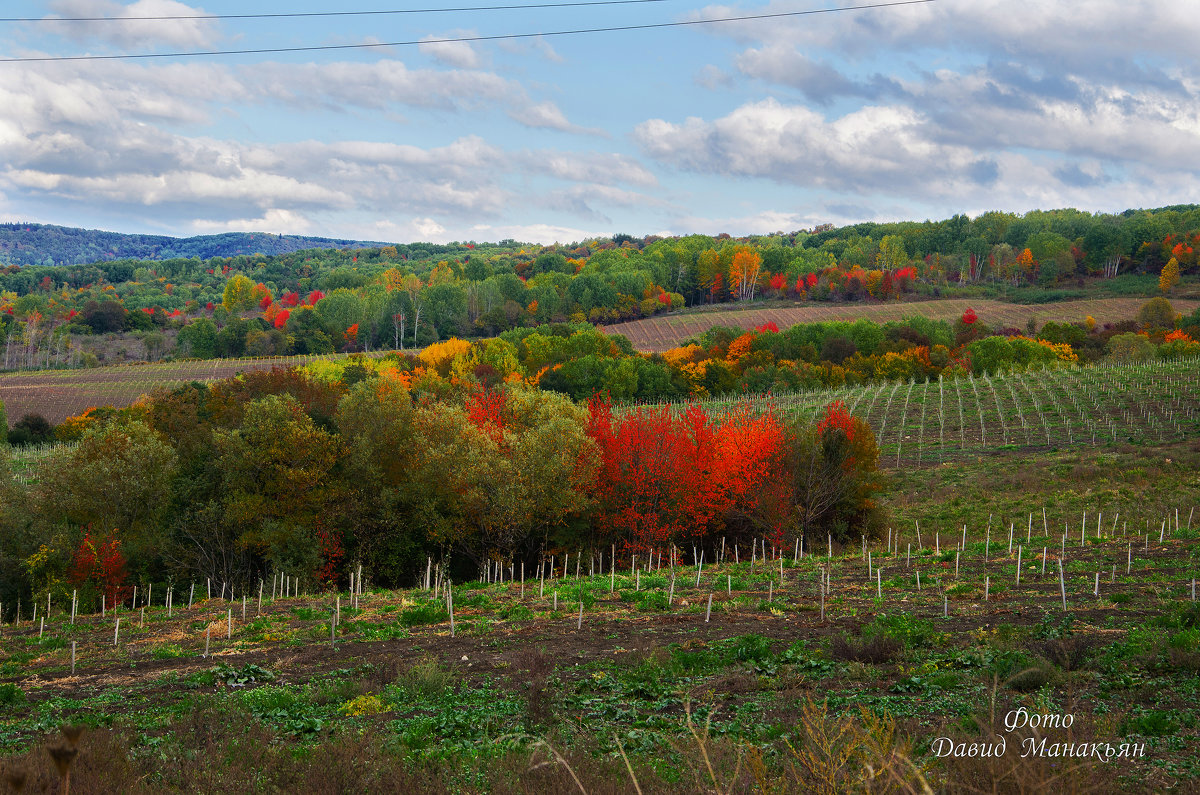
pixel 1062 585
pixel 708 610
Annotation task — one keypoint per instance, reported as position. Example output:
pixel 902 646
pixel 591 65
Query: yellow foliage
pixel 677 357
pixel 439 355
pixel 1090 322
pixel 1169 276
pixel 363 705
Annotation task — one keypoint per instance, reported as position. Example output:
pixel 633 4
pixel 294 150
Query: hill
pixel 46 244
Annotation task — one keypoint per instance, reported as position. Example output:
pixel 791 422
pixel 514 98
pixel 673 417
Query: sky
pixel 749 127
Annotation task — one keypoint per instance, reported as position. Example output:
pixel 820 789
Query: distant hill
pixel 45 244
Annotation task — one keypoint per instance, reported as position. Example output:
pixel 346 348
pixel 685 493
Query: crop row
pixel 926 423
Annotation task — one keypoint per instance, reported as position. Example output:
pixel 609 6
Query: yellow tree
pixel 239 294
pixel 1169 276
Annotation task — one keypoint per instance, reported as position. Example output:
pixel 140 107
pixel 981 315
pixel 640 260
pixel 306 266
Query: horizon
pixel 749 127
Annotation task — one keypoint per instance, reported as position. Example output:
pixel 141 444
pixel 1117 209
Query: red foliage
pixel 837 417
pixel 663 298
pixel 101 564
pixel 778 282
pixel 313 297
pixel 209 306
pixel 291 299
pixel 811 280
pixel 265 301
pixel 331 554
pixel 969 316
pixel 149 310
pixel 281 318
pixel 768 326
pixel 667 478
pixel 486 408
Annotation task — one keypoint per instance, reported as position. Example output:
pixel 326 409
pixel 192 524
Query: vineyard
pixel 928 423
pixel 59 394
pixel 949 632
pixel 663 333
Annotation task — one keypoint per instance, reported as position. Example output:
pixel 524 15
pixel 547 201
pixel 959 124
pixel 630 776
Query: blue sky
pixel 893 113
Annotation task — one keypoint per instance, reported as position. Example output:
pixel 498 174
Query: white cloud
pixel 276 221
pixel 128 33
pixel 380 84
pixel 603 168
pixel 544 234
pixel 873 147
pixel 452 53
pixel 548 115
pixel 536 45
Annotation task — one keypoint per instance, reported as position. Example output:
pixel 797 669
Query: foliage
pixel 99 567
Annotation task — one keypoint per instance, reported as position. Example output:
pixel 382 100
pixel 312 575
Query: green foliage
pixel 909 630
pixel 428 613
pixel 240 677
pixel 11 695
pixel 1157 313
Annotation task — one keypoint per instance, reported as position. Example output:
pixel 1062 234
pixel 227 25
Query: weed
pixel 11 695
pixel 428 613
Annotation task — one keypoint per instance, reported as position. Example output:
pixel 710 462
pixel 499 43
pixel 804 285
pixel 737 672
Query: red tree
pixel 99 563
pixel 667 477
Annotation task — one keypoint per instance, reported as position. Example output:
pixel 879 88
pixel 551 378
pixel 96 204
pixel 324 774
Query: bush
pixel 1157 313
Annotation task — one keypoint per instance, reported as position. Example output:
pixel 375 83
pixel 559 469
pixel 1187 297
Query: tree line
pixel 416 294
pixel 286 471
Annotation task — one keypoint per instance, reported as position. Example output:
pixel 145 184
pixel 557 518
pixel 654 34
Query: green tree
pixel 198 338
pixel 238 295
pixel 891 252
pixel 275 471
pixel 1157 313
pixel 118 477
pixel 1129 348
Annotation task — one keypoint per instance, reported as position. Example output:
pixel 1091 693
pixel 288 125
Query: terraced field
pixel 665 332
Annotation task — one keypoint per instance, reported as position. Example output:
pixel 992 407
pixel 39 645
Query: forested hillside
pixel 342 299
pixel 46 244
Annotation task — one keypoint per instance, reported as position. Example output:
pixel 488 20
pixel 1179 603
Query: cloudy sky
pixel 910 112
